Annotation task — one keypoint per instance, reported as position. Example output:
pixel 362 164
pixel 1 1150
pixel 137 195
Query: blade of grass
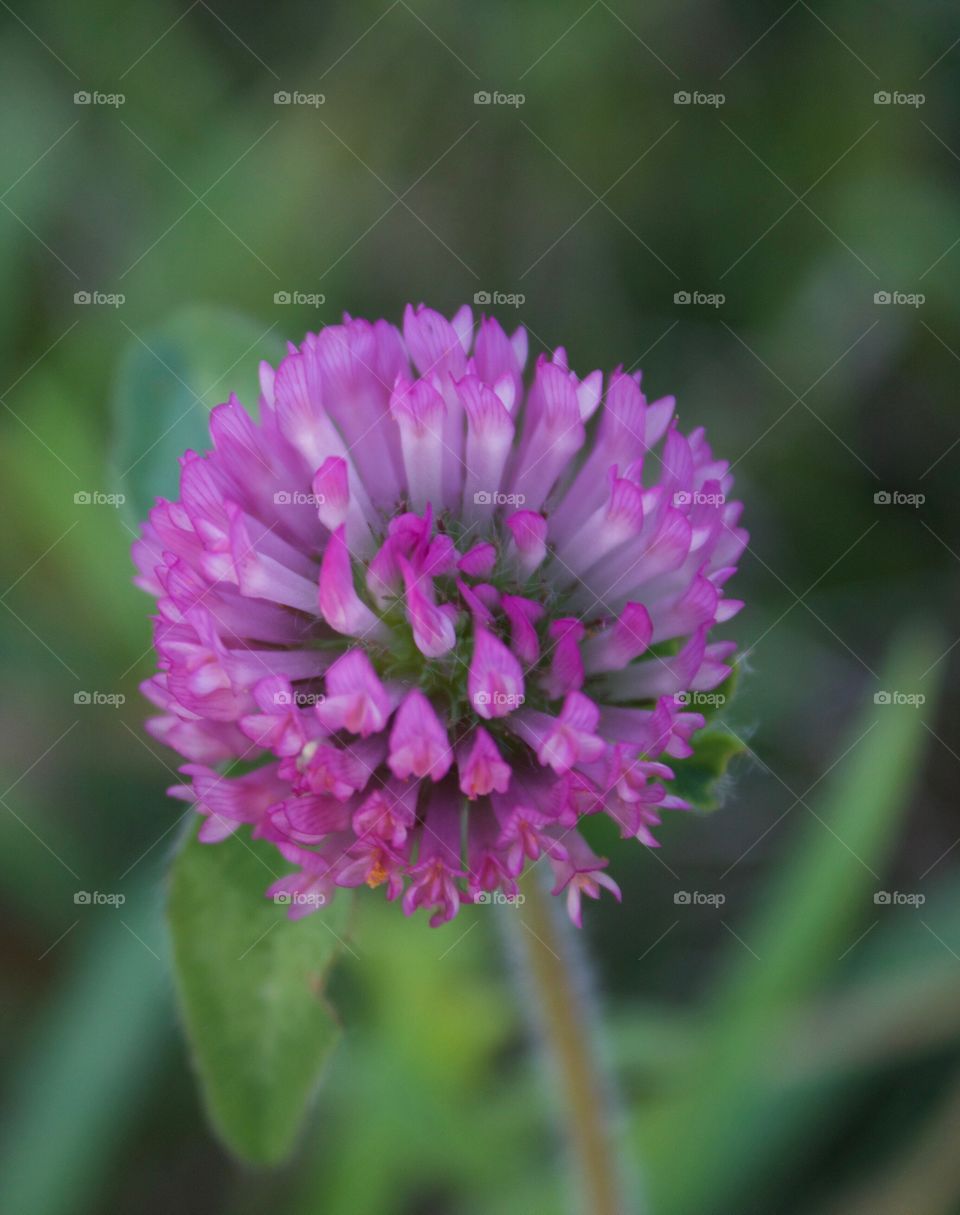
pixel 925 1179
pixel 708 1142
pixel 81 1081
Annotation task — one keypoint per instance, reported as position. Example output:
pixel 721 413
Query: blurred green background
pixel 794 1049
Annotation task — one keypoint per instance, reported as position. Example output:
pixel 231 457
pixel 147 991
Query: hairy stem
pixel 554 975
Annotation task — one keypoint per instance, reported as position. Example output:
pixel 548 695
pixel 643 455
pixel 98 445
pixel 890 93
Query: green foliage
pixel 168 380
pixel 250 986
pixel 699 778
pixel 81 1077
pixel 724 1105
pixel 427 1085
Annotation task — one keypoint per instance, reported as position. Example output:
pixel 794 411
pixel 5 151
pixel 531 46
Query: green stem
pixel 556 988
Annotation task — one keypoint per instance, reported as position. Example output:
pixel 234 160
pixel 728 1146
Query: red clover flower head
pixel 430 614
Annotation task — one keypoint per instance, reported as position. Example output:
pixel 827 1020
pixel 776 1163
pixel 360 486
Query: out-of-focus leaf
pixel 925 1179
pixel 698 778
pixel 169 379
pixel 250 984
pixel 876 1024
pixel 24 132
pixel 710 1140
pixel 85 547
pixel 430 1035
pixel 907 1014
pixel 93 1051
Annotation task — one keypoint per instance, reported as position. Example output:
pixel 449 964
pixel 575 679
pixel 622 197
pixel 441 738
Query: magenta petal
pixel 356 700
pixel 482 769
pixel 418 742
pixel 340 604
pixel 495 680
pixel 433 630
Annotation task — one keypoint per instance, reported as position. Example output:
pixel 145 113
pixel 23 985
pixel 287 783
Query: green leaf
pixel 716 702
pixel 434 1019
pixel 79 1077
pixel 250 986
pixel 698 778
pixel 169 379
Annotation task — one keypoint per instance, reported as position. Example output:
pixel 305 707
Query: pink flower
pixel 418 742
pixel 437 622
pixel 356 700
pixel 482 767
pixel 495 678
pixel 581 873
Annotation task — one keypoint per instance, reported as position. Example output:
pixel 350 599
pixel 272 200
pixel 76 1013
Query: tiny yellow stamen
pixel 377 874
